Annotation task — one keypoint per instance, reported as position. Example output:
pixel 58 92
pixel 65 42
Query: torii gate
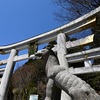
pixel 77 25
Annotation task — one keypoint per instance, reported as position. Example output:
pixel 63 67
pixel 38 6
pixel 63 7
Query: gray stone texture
pixel 71 84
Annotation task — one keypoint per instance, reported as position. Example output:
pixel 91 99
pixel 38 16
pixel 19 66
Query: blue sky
pixel 22 19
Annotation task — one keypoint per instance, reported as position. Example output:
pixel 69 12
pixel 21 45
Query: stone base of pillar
pixel 65 96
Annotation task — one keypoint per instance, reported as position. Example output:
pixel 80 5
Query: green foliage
pixel 25 92
pixel 27 80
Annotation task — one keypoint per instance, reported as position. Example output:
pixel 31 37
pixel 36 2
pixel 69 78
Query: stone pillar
pixel 61 51
pixel 65 96
pixel 7 75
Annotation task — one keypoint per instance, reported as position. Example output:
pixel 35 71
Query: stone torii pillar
pixel 7 75
pixel 61 51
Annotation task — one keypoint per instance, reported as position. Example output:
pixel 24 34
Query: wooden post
pixel 7 75
pixel 61 51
